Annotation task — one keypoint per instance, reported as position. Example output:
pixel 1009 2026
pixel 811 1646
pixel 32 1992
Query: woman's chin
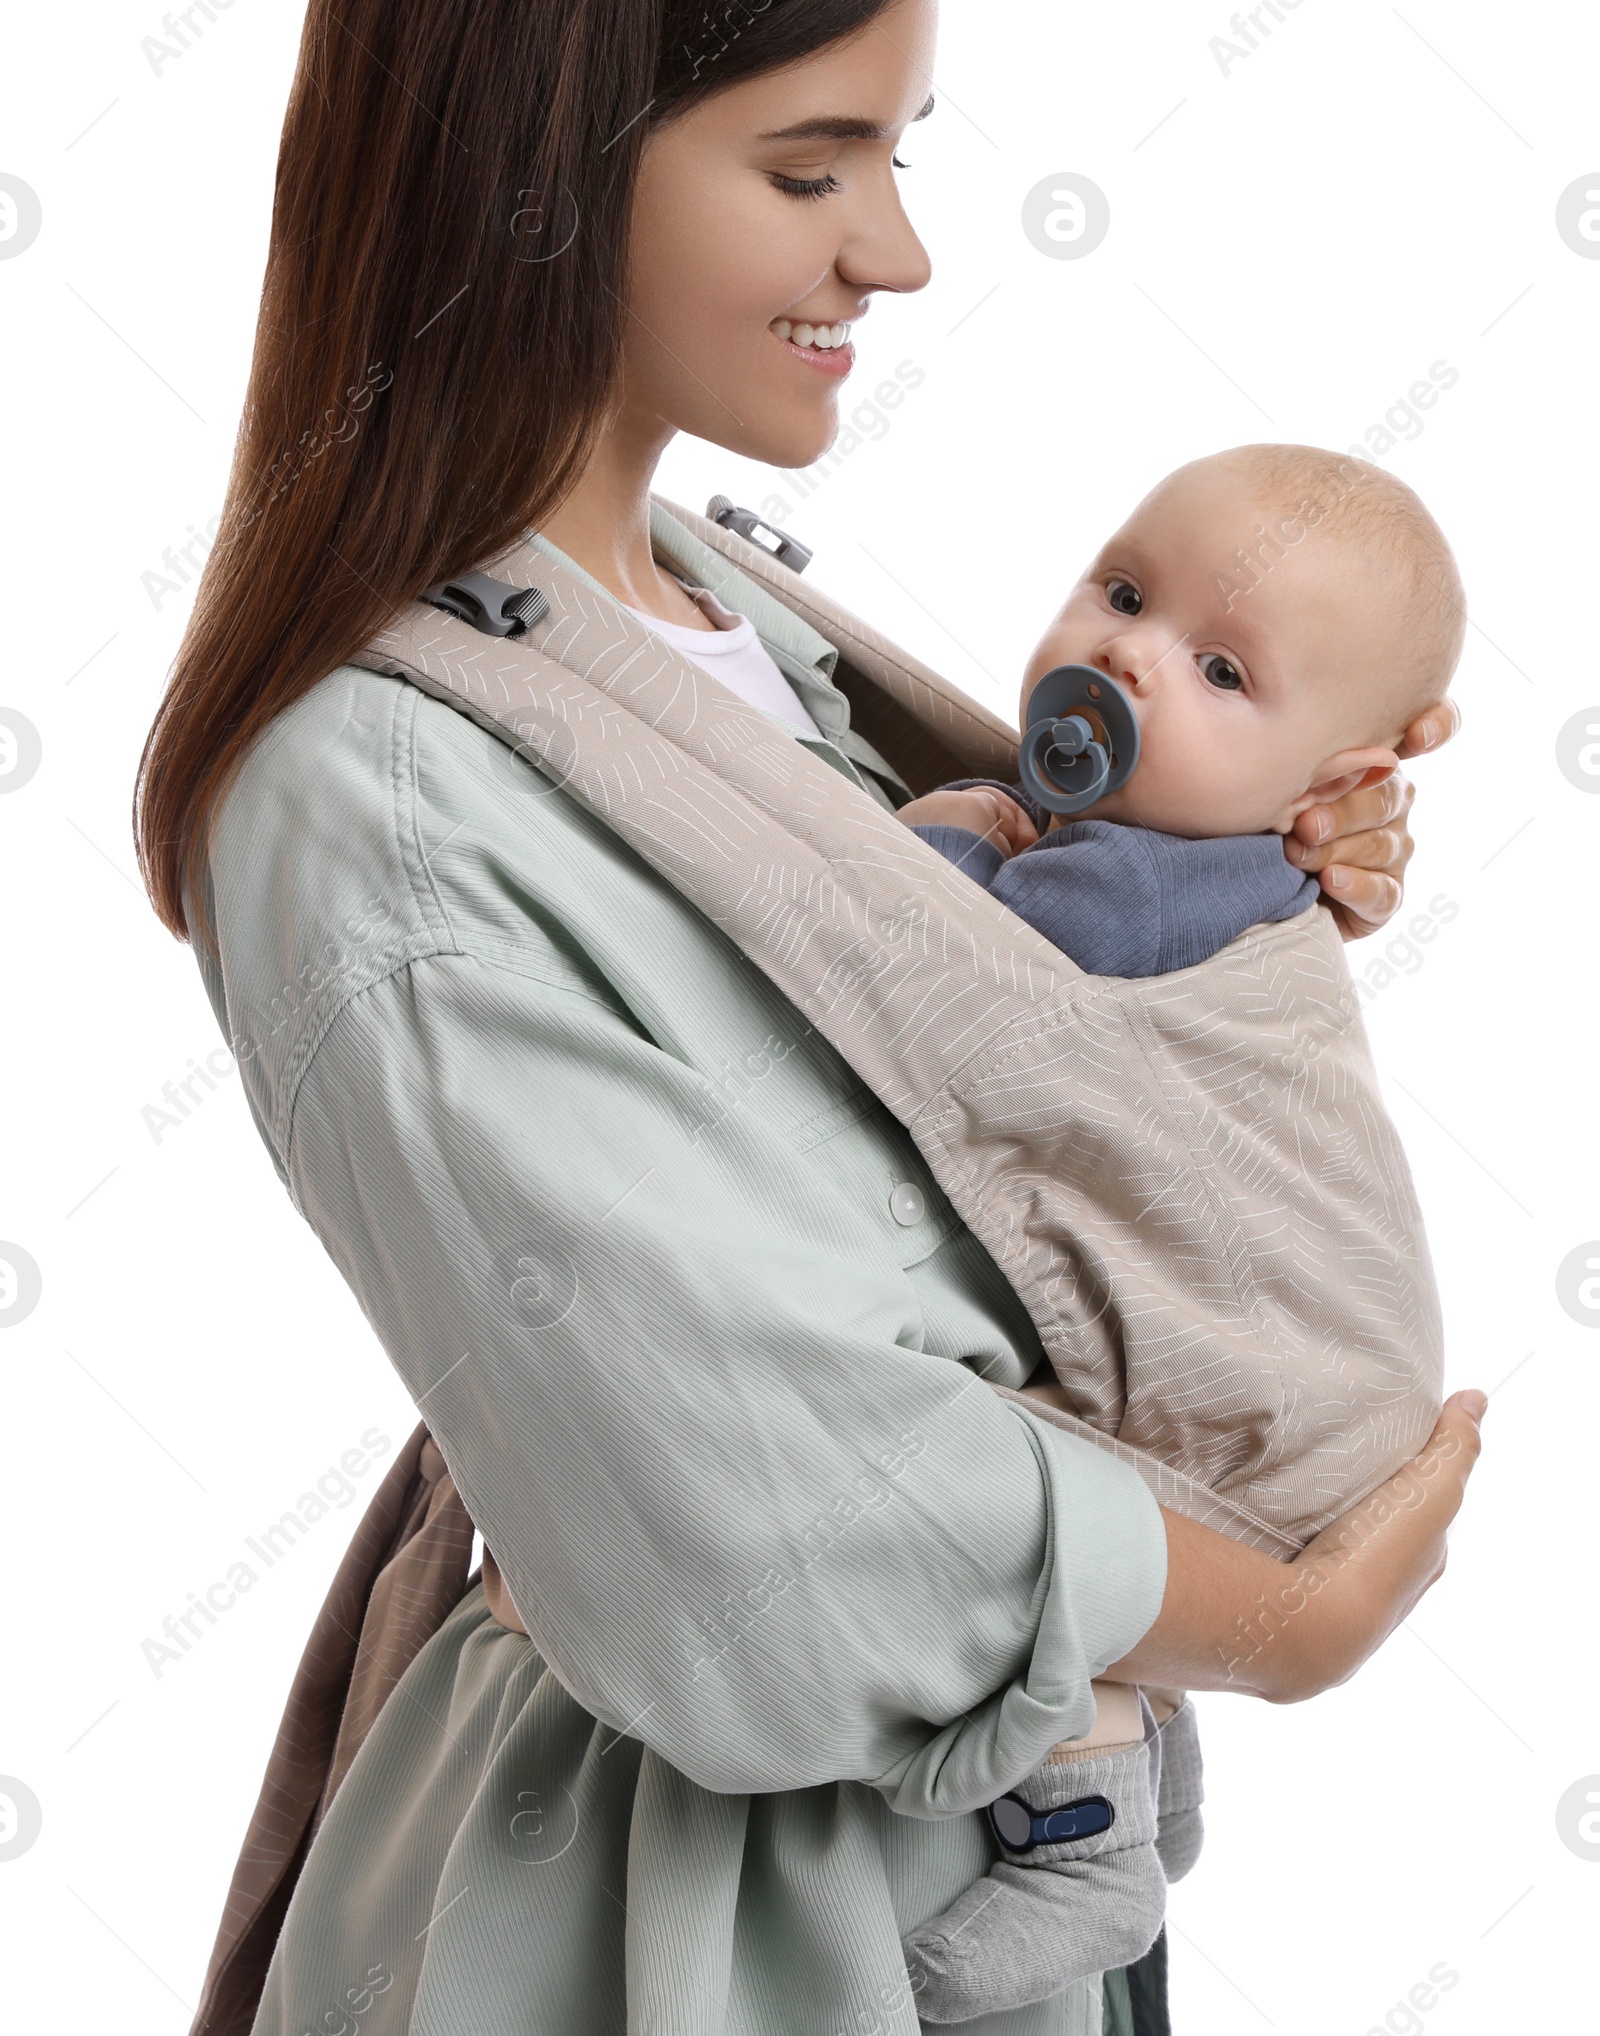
pixel 790 443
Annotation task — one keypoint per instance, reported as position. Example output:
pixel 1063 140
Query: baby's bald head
pixel 1405 559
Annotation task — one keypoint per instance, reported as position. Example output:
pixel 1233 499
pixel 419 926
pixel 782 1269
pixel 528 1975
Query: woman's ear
pixel 1349 770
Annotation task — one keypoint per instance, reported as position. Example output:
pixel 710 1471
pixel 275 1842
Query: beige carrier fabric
pixel 1190 1180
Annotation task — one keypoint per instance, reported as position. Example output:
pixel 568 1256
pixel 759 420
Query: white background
pixel 1294 245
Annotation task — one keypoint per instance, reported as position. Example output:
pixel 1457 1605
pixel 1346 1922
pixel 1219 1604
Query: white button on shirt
pixel 907 1204
pixel 735 655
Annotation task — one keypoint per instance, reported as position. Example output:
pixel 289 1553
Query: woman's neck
pixel 604 524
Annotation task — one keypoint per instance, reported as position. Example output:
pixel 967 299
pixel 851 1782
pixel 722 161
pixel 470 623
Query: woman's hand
pixel 1233 1619
pixel 1360 844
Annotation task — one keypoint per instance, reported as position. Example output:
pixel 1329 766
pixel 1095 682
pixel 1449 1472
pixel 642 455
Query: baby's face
pixel 1244 707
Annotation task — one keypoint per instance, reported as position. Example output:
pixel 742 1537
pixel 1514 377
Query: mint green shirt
pixel 697 1332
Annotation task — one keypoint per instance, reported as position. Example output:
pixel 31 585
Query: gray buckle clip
pixel 490 605
pixel 788 551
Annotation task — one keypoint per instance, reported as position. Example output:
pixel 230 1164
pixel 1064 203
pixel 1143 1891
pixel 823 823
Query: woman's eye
pixel 1124 597
pixel 1216 671
pixel 806 187
pixel 898 164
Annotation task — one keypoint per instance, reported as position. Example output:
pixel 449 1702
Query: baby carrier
pixel 1190 1180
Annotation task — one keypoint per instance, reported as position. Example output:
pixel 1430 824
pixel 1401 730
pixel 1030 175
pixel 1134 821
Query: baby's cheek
pixel 1196 794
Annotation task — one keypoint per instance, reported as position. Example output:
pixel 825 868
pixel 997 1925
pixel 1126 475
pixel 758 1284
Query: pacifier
pixel 1081 740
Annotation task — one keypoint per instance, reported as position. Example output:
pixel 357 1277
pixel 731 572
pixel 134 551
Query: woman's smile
pixel 826 347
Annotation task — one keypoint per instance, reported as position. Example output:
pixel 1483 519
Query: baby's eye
pixel 1216 671
pixel 1124 597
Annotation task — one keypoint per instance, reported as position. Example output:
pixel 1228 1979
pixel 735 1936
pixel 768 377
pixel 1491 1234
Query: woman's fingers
pixel 1418 1502
pixel 1385 851
pixel 1374 1563
pixel 1439 1475
pixel 1359 845
pixel 1323 831
pixel 1453 1450
pixel 1432 729
pixel 1361 900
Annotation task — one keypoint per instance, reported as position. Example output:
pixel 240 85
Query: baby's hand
pixel 979 809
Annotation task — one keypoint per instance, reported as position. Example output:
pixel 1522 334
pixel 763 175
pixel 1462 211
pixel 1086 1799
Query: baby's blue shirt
pixel 1130 901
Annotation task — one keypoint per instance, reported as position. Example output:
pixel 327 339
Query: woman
pixel 514 251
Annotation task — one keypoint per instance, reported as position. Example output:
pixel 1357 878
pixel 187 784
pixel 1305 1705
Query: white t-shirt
pixel 734 654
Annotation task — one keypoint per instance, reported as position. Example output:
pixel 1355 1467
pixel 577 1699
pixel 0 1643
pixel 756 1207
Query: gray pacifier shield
pixel 1081 740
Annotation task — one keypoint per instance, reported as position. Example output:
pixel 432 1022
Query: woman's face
pixel 773 201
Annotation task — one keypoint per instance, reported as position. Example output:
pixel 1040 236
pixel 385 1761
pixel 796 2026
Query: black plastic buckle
pixel 490 605
pixel 788 551
pixel 1020 1827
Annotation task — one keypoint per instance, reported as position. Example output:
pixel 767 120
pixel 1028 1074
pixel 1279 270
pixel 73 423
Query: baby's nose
pixel 1121 660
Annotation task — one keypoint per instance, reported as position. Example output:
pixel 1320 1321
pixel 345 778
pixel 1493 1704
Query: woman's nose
pixel 882 251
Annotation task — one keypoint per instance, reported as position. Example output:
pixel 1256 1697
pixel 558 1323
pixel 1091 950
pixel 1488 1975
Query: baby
pixel 1276 616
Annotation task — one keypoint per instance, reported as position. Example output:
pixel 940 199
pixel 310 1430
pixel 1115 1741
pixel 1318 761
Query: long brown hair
pixel 440 333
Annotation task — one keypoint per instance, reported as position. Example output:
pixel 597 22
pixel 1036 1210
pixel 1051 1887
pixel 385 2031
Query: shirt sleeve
pixel 745 1518
pixel 973 853
pixel 1093 890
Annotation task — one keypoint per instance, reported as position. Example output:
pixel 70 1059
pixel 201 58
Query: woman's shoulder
pixel 309 834
pixel 371 828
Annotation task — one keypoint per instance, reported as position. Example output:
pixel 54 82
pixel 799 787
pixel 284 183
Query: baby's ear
pixel 1347 771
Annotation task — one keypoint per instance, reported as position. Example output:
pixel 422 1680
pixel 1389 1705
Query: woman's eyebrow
pixel 837 127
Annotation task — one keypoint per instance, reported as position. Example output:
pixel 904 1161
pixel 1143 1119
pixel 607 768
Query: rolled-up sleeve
pixel 746 1518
